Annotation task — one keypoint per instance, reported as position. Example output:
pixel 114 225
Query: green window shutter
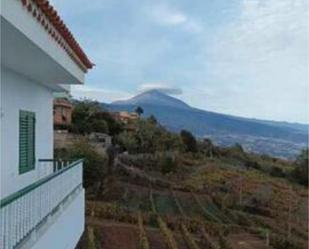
pixel 26 141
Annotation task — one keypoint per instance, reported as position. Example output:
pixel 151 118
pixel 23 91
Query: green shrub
pixel 189 141
pixel 148 138
pixel 168 165
pixel 282 243
pixel 300 173
pixel 276 172
pixel 95 165
pixel 89 116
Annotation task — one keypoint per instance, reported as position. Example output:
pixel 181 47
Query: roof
pixel 63 103
pixel 46 15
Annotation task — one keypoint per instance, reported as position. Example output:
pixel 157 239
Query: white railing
pixel 24 211
pixel 46 167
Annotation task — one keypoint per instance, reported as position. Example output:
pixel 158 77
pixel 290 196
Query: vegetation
pixel 148 138
pixel 144 243
pixel 95 164
pixel 188 238
pixel 300 173
pixel 91 238
pixel 88 116
pixel 189 141
pixel 168 235
pixel 196 189
pixel 168 165
pixel 139 110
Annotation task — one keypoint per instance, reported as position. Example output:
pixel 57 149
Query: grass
pixel 188 238
pixel 168 235
pixel 91 238
pixel 143 240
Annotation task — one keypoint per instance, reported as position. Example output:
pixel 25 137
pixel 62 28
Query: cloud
pixel 166 15
pixel 242 57
pixel 162 87
pixel 99 94
pixel 265 52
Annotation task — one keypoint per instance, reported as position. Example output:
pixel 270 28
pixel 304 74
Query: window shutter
pixel 26 141
pixel 31 140
pixel 23 141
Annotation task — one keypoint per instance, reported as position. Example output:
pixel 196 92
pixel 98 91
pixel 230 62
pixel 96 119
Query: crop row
pixel 143 240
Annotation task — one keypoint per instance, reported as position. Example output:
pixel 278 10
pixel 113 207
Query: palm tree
pixel 139 110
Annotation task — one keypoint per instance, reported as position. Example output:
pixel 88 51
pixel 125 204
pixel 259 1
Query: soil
pixel 246 241
pixel 117 235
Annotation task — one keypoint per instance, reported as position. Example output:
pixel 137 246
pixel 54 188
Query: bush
pixel 95 165
pixel 88 116
pixel 148 138
pixel 168 165
pixel 281 243
pixel 189 141
pixel 253 164
pixel 276 172
pixel 300 173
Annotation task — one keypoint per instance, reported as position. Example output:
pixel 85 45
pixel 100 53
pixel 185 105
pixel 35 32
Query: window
pixel 26 141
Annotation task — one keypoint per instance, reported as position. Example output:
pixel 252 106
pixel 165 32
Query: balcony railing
pixel 47 167
pixel 23 212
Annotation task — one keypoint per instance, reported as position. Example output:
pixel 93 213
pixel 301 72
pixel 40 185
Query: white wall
pixel 16 14
pixel 19 93
pixel 70 224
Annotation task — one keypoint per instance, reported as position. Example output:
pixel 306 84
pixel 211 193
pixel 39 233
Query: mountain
pixel 153 97
pixel 279 139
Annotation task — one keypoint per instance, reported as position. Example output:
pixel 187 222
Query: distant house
pixel 62 112
pixel 126 117
pixel 41 200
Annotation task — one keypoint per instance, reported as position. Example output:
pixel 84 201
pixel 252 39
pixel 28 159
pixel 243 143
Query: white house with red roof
pixel 42 200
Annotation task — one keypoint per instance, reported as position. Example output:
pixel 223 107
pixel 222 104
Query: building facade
pixel 62 112
pixel 126 117
pixel 41 199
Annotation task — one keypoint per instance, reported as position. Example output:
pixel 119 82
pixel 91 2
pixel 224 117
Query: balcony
pixel 24 214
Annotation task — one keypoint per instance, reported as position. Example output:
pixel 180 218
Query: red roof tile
pixel 53 17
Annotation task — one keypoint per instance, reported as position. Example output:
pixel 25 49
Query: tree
pixel 128 142
pixel 206 147
pixel 82 116
pixel 300 173
pixel 89 116
pixel 152 119
pixel 139 110
pixel 189 141
pixel 95 165
pixel 149 137
pixel 100 126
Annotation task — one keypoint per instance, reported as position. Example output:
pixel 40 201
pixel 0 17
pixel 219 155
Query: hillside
pixel 275 138
pixel 204 203
pixel 158 189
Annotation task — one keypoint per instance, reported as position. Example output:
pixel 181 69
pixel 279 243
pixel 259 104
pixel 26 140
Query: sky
pixel 248 58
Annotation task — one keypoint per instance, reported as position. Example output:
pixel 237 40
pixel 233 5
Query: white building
pixel 42 202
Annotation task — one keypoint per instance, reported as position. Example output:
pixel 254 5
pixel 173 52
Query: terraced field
pixel 141 208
